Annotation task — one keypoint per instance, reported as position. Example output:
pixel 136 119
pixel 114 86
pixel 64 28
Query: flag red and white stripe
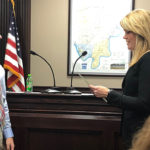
pixel 13 57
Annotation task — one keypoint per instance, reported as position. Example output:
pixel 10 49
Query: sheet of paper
pixel 104 99
pixel 87 83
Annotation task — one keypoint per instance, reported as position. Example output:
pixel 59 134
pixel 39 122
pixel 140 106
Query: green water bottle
pixel 29 83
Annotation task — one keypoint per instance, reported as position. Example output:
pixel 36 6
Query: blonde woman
pixel 135 97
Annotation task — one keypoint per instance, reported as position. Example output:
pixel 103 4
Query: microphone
pixel 71 90
pixel 52 90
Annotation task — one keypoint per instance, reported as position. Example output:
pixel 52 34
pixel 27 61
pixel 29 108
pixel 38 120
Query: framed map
pixel 94 27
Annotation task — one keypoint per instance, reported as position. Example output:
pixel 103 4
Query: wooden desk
pixel 63 122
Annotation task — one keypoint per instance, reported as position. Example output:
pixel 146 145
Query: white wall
pixel 49 38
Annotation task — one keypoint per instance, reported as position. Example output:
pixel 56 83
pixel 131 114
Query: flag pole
pixel 13 5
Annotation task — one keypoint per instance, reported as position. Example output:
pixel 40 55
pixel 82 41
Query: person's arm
pixel 7 130
pixel 7 127
pixel 142 101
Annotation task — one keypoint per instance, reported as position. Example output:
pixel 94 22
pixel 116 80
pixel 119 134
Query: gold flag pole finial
pixel 13 5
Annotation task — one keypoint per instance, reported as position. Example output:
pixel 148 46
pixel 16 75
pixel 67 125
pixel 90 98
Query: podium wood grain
pixel 63 122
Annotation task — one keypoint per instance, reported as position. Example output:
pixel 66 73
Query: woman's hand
pixel 99 91
pixel 10 144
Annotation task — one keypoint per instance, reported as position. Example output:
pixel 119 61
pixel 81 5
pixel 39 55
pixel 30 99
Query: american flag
pixel 13 57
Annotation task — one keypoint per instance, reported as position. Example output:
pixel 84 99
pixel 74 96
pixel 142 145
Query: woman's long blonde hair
pixel 138 22
pixel 141 140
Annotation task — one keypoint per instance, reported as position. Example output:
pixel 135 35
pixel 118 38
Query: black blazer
pixel 135 99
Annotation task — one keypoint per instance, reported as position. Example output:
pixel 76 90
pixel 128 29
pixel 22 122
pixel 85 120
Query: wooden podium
pixel 63 122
